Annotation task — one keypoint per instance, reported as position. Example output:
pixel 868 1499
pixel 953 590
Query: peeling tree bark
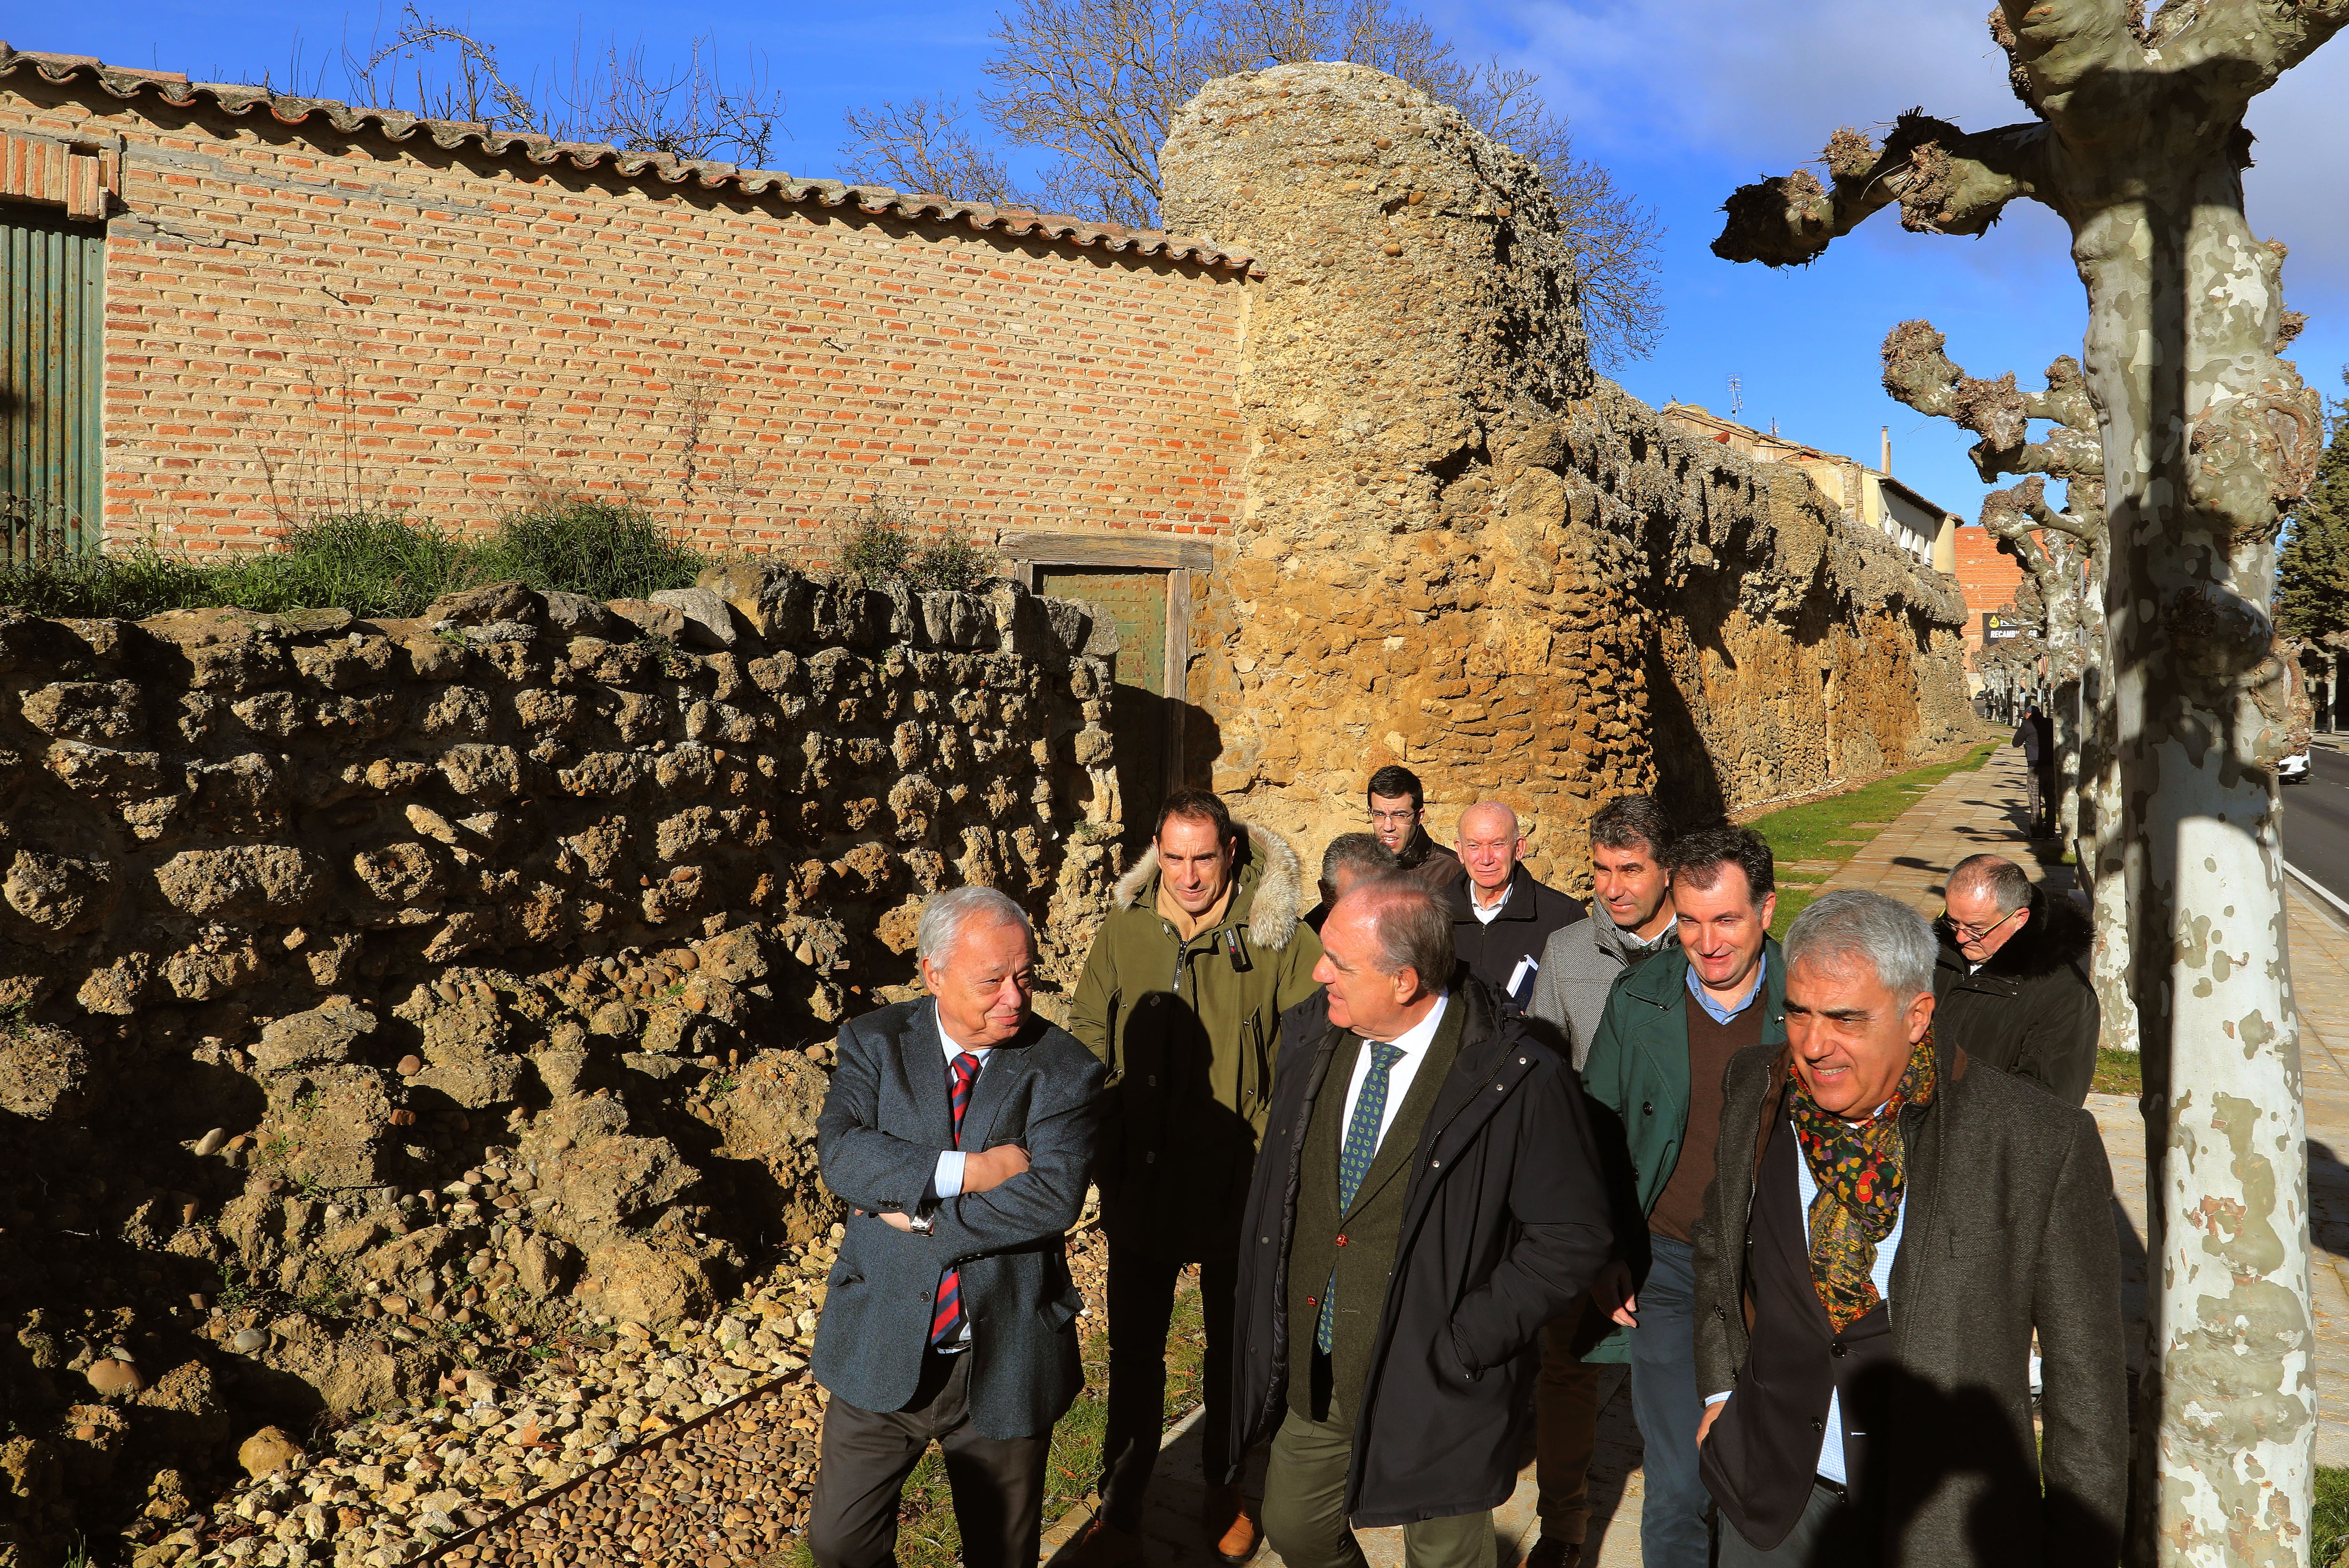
pixel 2139 144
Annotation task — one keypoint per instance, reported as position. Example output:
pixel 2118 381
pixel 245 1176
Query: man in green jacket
pixel 1657 1065
pixel 1181 999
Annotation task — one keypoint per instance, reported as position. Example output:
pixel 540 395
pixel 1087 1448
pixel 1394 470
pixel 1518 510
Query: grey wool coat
pixel 2008 1228
pixel 885 1122
pixel 1579 967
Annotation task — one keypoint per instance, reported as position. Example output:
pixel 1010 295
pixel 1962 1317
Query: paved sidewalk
pixel 1969 813
pixel 1965 814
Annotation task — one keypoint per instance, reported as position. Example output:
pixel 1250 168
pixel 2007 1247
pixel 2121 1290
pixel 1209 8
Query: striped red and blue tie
pixel 946 1321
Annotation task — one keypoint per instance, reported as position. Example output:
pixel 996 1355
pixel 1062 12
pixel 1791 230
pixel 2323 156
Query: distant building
pixel 1870 496
pixel 1986 577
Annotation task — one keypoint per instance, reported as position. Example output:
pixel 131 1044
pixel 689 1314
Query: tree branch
pixel 1918 371
pixel 2010 514
pixel 2236 49
pixel 1945 182
pixel 2058 47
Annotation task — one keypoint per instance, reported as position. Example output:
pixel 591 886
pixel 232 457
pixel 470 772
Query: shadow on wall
pixel 1688 785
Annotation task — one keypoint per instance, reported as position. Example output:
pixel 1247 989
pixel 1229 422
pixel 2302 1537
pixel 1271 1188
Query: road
pixel 2316 821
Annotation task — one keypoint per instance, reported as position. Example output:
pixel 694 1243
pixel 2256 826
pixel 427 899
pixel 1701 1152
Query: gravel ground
pixel 606 1444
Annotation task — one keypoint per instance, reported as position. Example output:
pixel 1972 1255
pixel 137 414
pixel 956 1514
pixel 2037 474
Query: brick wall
pixel 302 318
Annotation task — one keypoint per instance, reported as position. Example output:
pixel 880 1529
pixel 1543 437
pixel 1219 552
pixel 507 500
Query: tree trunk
pixel 2183 313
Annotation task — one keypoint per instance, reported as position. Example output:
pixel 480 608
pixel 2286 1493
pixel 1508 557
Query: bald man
pixel 1500 917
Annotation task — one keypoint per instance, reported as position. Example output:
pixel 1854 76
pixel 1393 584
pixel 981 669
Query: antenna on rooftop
pixel 1737 395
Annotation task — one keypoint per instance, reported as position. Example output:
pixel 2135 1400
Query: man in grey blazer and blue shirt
pixel 961 1132
pixel 1888 1227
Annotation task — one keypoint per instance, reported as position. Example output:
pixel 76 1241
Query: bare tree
pixel 1093 84
pixel 612 96
pixel 2136 140
pixel 921 146
pixel 2065 551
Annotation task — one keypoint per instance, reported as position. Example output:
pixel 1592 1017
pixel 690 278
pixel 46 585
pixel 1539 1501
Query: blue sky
pixel 1682 101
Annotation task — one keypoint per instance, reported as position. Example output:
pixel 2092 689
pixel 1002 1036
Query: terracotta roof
pixel 649 168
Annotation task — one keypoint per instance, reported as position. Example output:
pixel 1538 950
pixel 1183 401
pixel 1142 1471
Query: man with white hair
pixel 961 1130
pixel 1502 918
pixel 1890 1223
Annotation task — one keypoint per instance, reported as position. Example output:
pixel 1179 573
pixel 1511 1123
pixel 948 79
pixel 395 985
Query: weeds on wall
pixel 591 547
pixel 885 543
pixel 375 565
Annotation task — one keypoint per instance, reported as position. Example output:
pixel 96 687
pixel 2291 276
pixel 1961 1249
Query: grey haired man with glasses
pixel 2012 984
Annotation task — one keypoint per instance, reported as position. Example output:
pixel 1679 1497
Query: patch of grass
pixel 2118 1072
pixel 1827 829
pixel 376 565
pixel 2328 1519
pixel 591 547
pixel 926 1534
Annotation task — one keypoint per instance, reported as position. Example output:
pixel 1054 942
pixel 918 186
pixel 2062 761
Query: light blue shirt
pixel 1806 1189
pixel 1722 1014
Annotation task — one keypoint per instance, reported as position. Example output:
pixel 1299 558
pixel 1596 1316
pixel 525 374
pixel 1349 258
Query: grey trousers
pixel 1305 1507
pixel 1826 1536
pixel 999 1482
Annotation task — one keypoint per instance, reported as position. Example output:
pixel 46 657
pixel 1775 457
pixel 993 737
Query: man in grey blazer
pixel 1889 1222
pixel 961 1132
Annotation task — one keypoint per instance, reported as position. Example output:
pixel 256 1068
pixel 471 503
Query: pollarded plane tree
pixel 2136 140
pixel 2065 551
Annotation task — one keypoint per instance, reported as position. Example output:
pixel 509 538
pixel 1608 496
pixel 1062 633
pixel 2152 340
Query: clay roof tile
pixel 295 111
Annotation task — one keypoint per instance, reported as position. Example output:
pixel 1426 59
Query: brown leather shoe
pixel 1102 1545
pixel 1224 1519
pixel 1550 1552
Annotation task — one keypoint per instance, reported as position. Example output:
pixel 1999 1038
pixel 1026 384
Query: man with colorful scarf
pixel 1888 1225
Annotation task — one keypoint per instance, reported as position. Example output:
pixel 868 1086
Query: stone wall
pixel 311 306
pixel 367 986
pixel 1465 553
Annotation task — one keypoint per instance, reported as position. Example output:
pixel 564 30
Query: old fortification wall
pixel 370 991
pixel 309 306
pixel 1464 552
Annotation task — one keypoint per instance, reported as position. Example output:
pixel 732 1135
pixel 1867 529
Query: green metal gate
pixel 52 336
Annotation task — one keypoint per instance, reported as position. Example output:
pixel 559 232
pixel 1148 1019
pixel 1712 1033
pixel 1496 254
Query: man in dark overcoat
pixel 1890 1223
pixel 962 1132
pixel 1427 1198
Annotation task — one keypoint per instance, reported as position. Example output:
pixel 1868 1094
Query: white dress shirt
pixel 1831 1444
pixel 1484 915
pixel 947 1181
pixel 1413 1043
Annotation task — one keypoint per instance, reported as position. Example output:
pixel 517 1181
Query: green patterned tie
pixel 1353 1164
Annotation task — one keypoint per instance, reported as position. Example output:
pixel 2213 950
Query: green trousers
pixel 1305 1506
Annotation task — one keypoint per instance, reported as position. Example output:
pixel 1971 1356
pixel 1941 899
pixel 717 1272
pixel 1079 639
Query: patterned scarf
pixel 1859 1168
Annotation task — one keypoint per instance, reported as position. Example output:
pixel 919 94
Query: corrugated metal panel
pixel 52 337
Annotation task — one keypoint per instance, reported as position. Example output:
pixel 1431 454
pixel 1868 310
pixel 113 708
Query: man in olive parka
pixel 1181 999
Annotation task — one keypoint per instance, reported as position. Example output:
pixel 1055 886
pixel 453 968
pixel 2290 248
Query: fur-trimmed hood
pixel 2057 934
pixel 1270 894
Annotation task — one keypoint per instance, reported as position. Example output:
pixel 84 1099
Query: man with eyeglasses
pixel 1398 812
pixel 2012 984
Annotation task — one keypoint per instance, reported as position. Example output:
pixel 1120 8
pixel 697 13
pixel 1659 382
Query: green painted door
pixel 1136 603
pixel 52 336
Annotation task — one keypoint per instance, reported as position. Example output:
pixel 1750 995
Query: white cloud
pixel 1762 86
